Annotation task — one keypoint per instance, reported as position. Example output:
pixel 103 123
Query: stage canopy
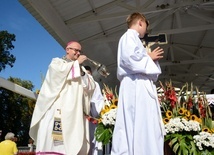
pixel 98 25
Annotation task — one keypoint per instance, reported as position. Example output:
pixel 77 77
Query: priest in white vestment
pixel 139 128
pixel 59 125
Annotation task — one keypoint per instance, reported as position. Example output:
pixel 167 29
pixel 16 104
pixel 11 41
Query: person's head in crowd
pixel 212 91
pixel 88 69
pixel 30 141
pixel 10 136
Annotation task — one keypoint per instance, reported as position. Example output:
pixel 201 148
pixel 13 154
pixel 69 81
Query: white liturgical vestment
pixel 64 95
pixel 97 103
pixel 139 128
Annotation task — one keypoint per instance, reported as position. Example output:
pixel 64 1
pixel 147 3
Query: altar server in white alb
pixel 139 129
pixel 97 103
pixel 59 125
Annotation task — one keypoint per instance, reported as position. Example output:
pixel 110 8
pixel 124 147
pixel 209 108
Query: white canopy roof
pixel 98 25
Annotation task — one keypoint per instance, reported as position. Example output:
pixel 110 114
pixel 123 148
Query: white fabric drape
pixel 97 103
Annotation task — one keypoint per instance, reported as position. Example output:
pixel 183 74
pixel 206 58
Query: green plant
pixel 186 115
pixel 105 127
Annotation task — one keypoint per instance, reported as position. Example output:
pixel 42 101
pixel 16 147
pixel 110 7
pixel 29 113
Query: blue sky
pixel 34 46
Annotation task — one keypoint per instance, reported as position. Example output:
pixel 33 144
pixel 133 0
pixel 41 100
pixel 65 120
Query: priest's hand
pixel 156 54
pixel 81 59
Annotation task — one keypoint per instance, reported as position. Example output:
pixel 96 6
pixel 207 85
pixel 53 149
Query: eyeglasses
pixel 74 49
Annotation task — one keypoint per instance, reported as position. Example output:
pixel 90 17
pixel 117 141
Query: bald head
pixel 71 43
pixel 73 50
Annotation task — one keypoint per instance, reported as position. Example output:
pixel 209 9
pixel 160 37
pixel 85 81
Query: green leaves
pixel 103 134
pixel 206 152
pixel 182 144
pixel 193 149
pixel 6 58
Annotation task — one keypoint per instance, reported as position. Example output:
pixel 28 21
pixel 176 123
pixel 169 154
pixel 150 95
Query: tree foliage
pixel 16 112
pixel 6 58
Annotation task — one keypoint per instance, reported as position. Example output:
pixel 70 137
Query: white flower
pixel 178 124
pixel 109 117
pixel 203 140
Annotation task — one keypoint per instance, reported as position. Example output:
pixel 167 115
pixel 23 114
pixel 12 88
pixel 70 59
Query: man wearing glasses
pixel 58 124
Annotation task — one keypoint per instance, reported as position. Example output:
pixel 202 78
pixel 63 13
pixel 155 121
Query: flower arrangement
pixel 106 121
pixel 187 119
